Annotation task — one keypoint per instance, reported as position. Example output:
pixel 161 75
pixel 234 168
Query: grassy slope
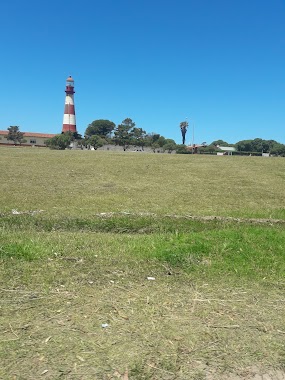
pixel 216 304
pixel 88 182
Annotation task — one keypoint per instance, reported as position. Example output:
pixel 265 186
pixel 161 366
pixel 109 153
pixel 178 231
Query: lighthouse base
pixel 68 128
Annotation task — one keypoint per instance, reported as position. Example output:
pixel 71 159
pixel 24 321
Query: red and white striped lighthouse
pixel 69 122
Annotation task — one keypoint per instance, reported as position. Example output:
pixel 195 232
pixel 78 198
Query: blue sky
pixel 220 63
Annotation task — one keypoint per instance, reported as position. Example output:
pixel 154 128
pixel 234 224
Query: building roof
pixel 226 148
pixel 31 134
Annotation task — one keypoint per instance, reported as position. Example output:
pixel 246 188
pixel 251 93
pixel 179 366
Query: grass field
pixel 82 231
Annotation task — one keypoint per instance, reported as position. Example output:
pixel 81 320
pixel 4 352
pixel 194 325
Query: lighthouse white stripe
pixel 69 99
pixel 69 119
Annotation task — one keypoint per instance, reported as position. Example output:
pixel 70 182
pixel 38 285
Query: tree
pixel 75 136
pixel 96 141
pixel 151 138
pixel 161 141
pixel 256 145
pixel 81 143
pixel 155 147
pixel 278 149
pixel 169 145
pixel 183 128
pixel 15 135
pixel 122 135
pixel 259 145
pixel 209 148
pixel 102 128
pixel 220 143
pixel 138 136
pixel 181 149
pixel 59 142
pixel 155 137
pixel 244 146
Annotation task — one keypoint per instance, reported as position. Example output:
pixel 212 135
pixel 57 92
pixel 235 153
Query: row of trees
pixel 254 146
pixel 102 132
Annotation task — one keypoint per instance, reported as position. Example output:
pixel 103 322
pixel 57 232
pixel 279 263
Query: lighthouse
pixel 69 122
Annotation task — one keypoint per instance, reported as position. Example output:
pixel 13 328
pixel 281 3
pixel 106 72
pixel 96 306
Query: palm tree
pixel 183 128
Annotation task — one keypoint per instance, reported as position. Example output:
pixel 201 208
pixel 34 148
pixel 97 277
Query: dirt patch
pixel 90 320
pixel 253 373
pixel 196 217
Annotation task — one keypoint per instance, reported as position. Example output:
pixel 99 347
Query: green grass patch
pixel 208 249
pixel 25 251
pixel 255 252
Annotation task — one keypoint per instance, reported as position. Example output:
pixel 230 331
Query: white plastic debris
pixel 16 212
pixel 104 325
pixel 151 278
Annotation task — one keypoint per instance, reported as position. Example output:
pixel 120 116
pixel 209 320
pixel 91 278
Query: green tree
pixel 75 136
pixel 59 142
pixel 96 141
pixel 155 137
pixel 151 138
pixel 138 136
pixel 161 141
pixel 15 135
pixel 181 149
pixel 278 149
pixel 155 147
pixel 244 146
pixel 256 145
pixel 209 148
pixel 122 135
pixel 102 128
pixel 81 143
pixel 220 143
pixel 169 145
pixel 259 145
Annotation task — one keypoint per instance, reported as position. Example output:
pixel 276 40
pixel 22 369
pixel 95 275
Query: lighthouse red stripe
pixel 69 109
pixel 68 128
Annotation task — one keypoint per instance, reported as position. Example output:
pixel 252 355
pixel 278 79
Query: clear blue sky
pixel 220 63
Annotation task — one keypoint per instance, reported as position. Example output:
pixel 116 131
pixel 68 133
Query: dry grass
pixel 87 182
pixel 216 305
pixel 172 328
pixel 179 326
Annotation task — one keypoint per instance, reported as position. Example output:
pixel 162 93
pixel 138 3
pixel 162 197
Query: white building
pixel 32 138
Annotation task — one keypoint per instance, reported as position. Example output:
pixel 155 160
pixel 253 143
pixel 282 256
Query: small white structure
pixel 226 150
